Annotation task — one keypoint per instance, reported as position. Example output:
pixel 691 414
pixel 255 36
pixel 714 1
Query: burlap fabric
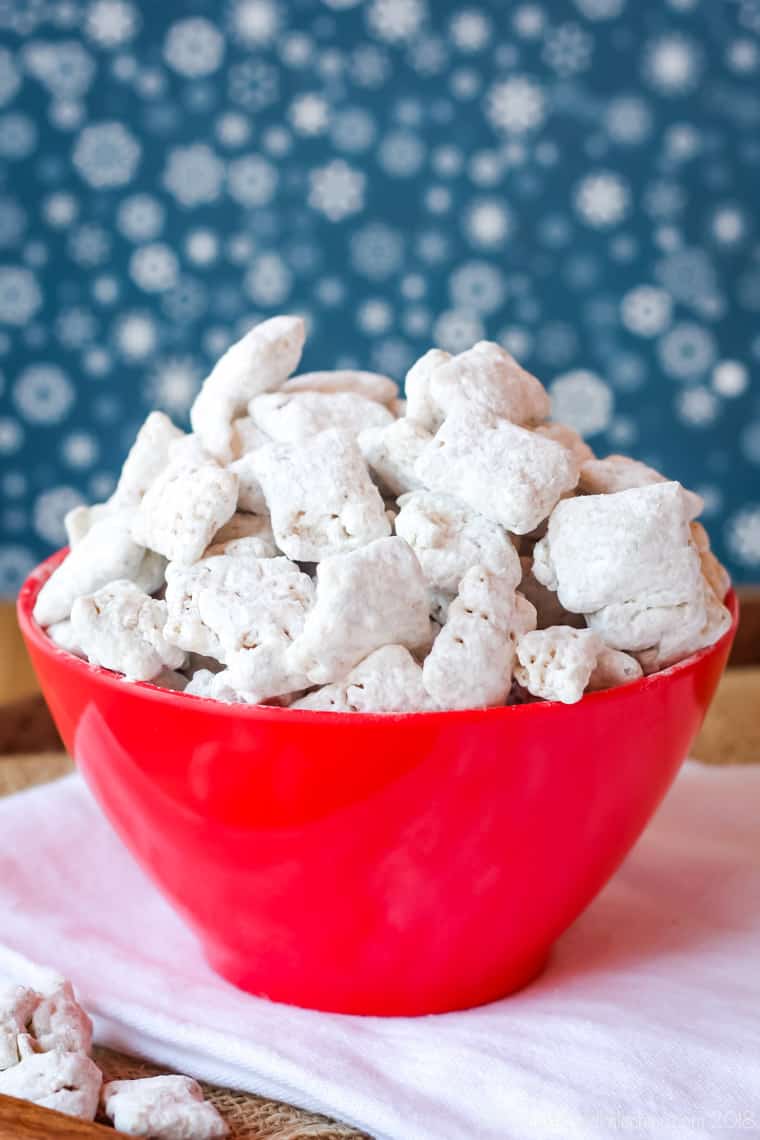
pixel 731 734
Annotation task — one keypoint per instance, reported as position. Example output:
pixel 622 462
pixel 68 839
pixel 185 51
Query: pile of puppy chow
pixel 45 1043
pixel 319 543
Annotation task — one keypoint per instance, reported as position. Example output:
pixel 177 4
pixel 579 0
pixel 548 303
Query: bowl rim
pixel 36 634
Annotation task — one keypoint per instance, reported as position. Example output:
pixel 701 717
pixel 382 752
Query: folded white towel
pixel 646 1023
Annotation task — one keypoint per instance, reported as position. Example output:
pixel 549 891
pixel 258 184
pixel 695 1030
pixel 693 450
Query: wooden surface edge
pixel 22 1120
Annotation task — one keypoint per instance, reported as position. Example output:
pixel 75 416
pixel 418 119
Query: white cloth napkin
pixel 646 1023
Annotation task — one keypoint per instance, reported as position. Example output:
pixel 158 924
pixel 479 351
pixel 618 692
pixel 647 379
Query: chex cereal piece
pixel 17 1004
pixel 449 538
pixel 320 496
pixel 62 633
pixel 556 663
pixel 79 520
pixel 106 552
pixel 693 627
pixel 568 437
pixel 184 508
pixel 388 680
pixel 59 1022
pixel 371 385
pixel 549 609
pixel 292 417
pixel 170 679
pixel 365 599
pixel 470 664
pixel 164 1108
pixel 613 668
pixel 713 571
pixel 503 471
pixel 620 473
pixel 148 457
pixel 265 356
pixel 244 534
pixel 421 408
pixel 391 453
pixel 626 546
pixel 67 1082
pixel 488 378
pixel 246 436
pixel 250 492
pixel 121 628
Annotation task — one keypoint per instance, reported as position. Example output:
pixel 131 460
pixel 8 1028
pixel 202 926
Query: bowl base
pixel 241 974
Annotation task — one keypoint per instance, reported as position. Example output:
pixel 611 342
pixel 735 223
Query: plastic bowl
pixel 375 864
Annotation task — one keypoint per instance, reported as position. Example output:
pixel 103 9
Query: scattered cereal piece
pixel 503 471
pixel 67 1082
pixel 615 548
pixel 713 571
pixel 292 418
pixel 79 520
pixel 261 361
pixel 245 534
pixel 106 552
pixel 569 438
pixel 470 664
pixel 164 1108
pixel 148 457
pixel 59 1022
pixel 696 625
pixel 320 496
pixel 371 385
pixel 421 408
pixel 17 1005
pixel 368 598
pixel 391 453
pixel 556 663
pixel 490 380
pixel 121 628
pixel 184 508
pixel 449 538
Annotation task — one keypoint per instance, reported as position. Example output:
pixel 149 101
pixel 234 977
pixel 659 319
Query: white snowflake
pixel 140 217
pixel 66 115
pixel 89 245
pixel 49 509
pixel 602 199
pixel 65 68
pixel 254 84
pixel 10 79
pixel 470 30
pixel 135 335
pixel 396 20
pixel 487 222
pixel 194 47
pixel 646 310
pixel 60 209
pixel 18 135
pixel 202 247
pixel 254 22
pixel 277 141
pixel 43 394
pixel 742 56
pixel 79 449
pixel 401 154
pixel 730 378
pixel 628 119
pixel 268 281
pixel 377 251
pixel 296 49
pixel 729 224
pixel 233 129
pixel 600 9
pixel 743 535
pixel 370 66
pixel 457 329
pixel 336 190
pixel 672 64
pixel 11 436
pixel 374 316
pixel 154 267
pixel 75 327
pixel 251 180
pixel 485 168
pixel 16 562
pixel 106 154
pixel 447 161
pixel 567 49
pixel 687 351
pixel 111 23
pixel 20 296
pixel 97 362
pixel 477 286
pixel 352 130
pixel 516 105
pixel 697 407
pixel 13 222
pixel 438 199
pixel 173 384
pixel 528 21
pixel 105 290
pixel 582 399
pixel 750 442
pixel 193 174
pixel 310 114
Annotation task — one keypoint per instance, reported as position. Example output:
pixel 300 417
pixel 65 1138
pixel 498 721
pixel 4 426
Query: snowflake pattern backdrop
pixel 573 178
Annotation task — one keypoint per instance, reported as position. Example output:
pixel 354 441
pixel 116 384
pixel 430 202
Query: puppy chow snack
pixel 317 543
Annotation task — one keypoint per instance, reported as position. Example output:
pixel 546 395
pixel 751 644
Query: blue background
pixel 577 179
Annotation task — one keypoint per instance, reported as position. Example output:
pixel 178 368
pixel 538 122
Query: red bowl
pixel 396 864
